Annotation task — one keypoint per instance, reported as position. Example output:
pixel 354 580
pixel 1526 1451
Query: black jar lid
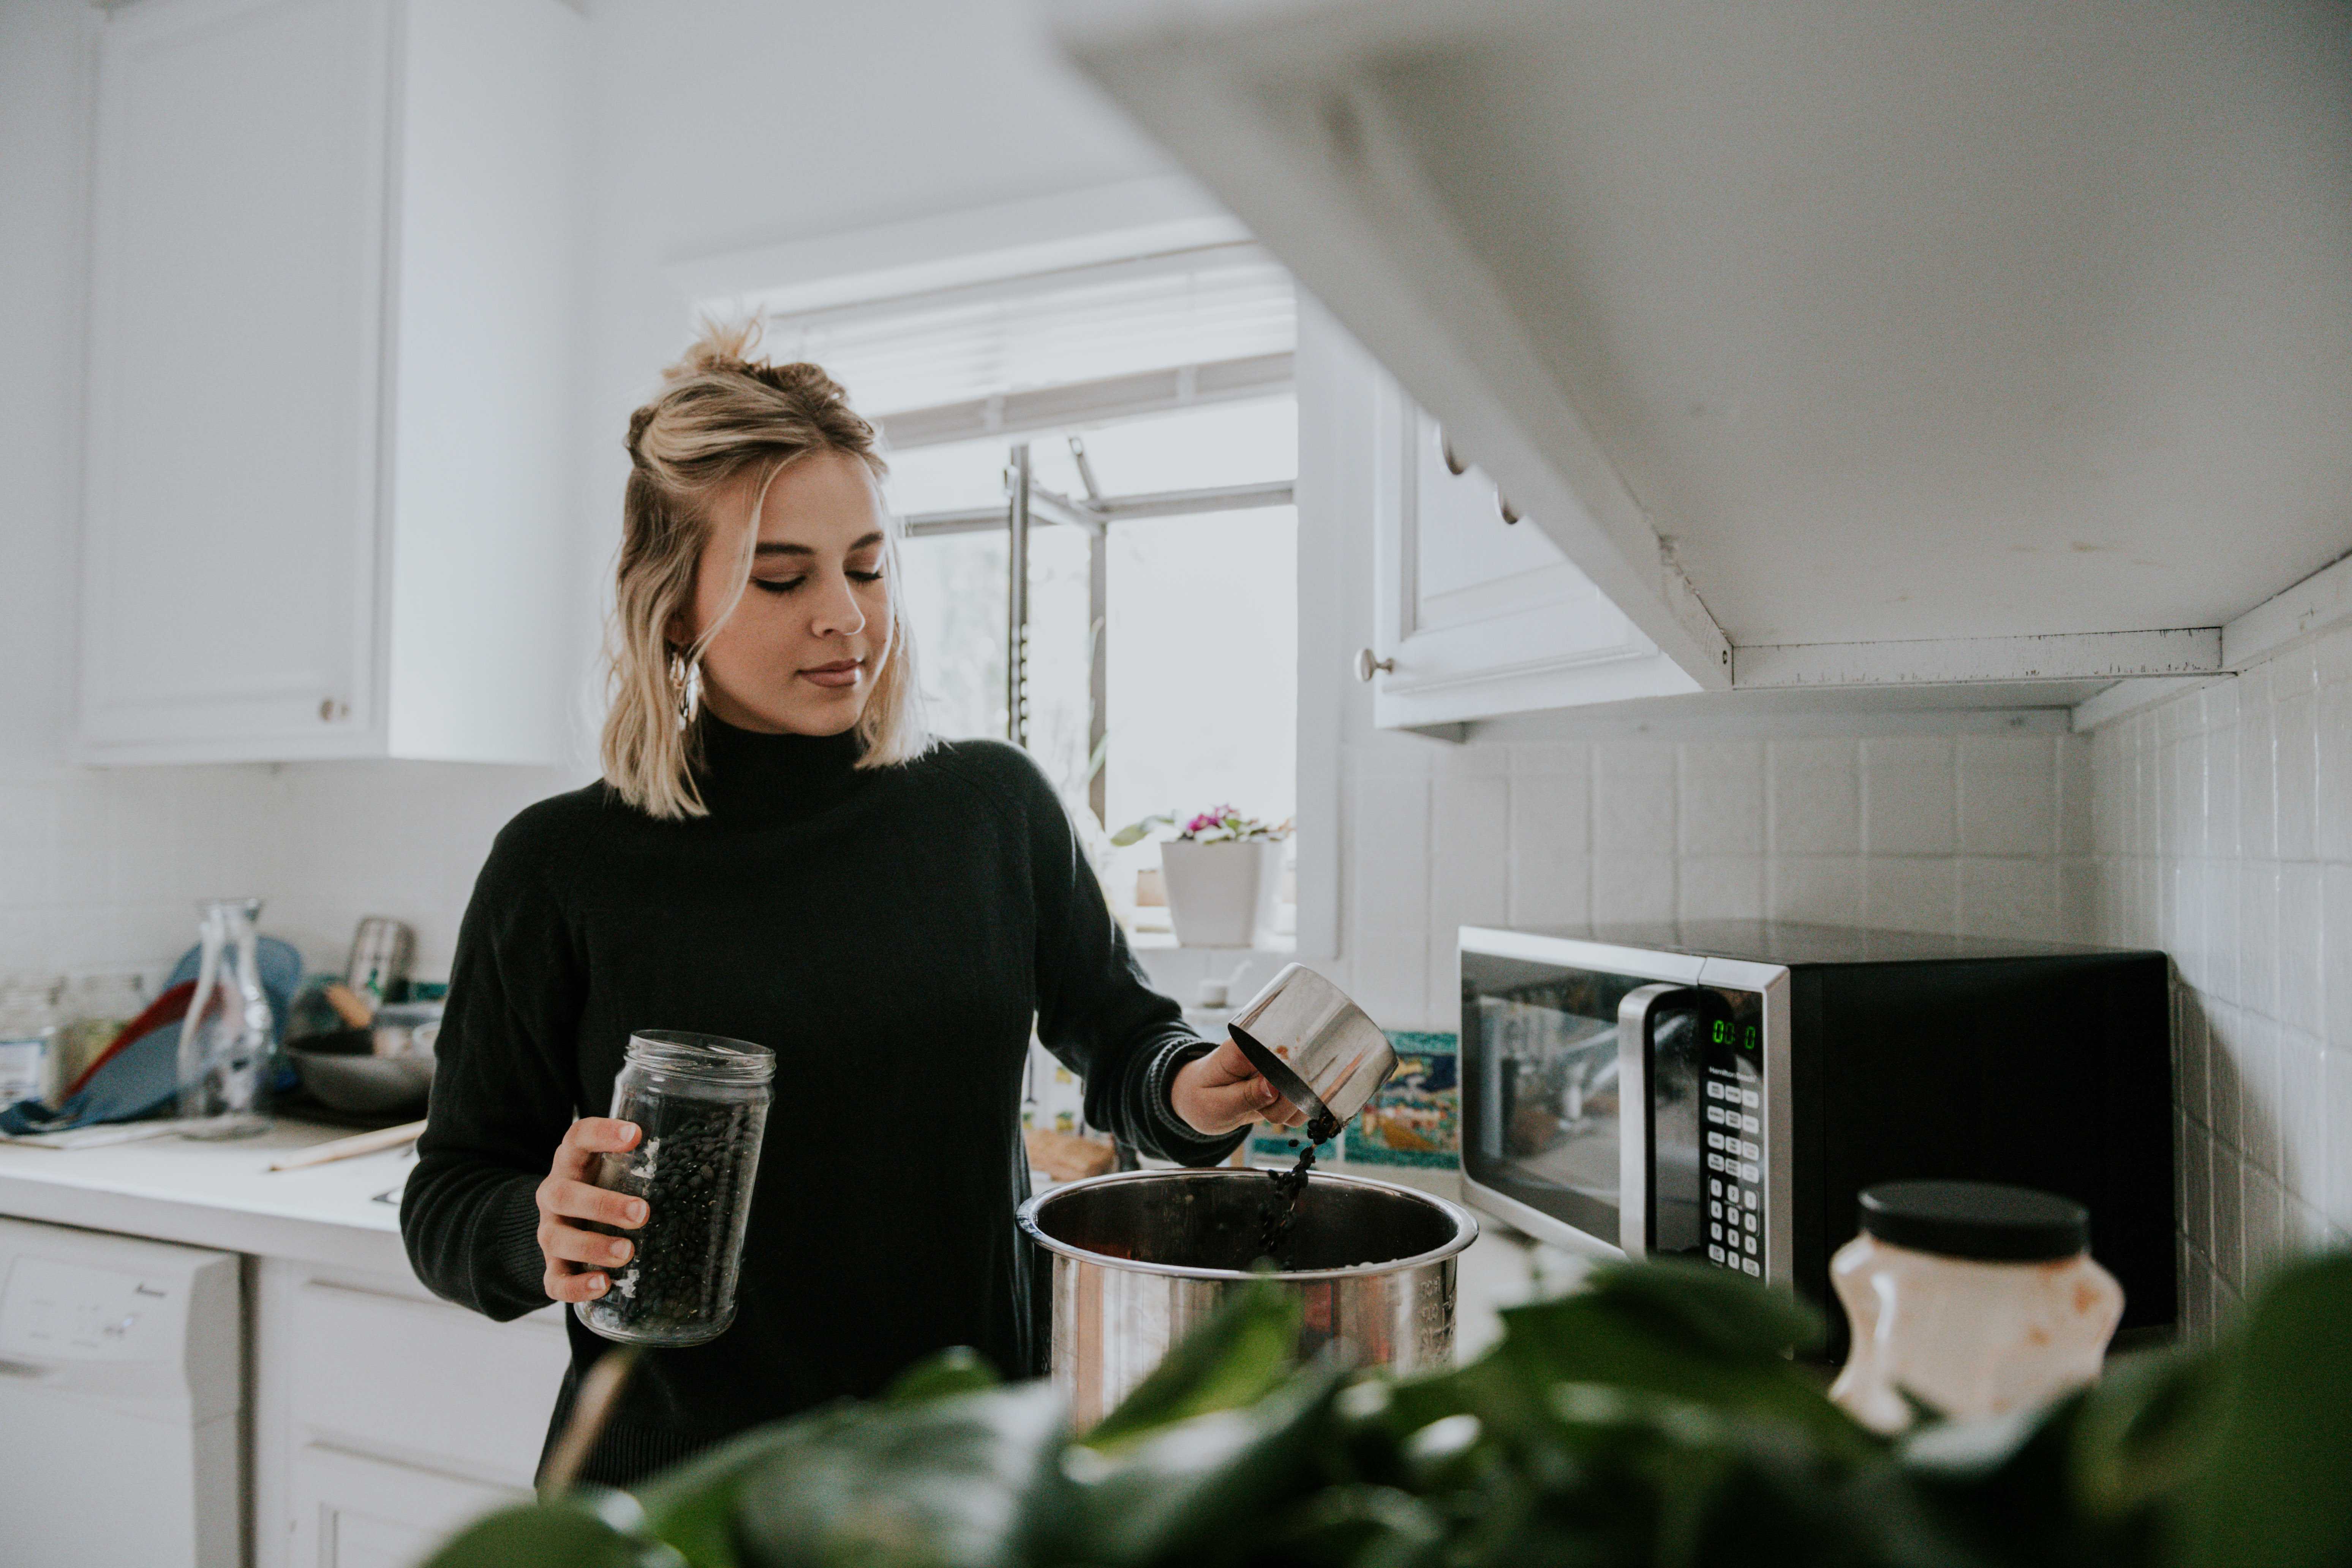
pixel 1980 1220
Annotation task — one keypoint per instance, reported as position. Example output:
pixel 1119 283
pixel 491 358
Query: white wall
pixel 2224 834
pixel 717 124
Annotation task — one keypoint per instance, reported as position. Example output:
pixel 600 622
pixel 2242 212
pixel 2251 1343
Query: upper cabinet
pixel 1477 613
pixel 330 334
pixel 1843 348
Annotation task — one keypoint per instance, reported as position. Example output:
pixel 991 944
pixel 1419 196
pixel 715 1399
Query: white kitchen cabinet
pixel 1860 356
pixel 329 324
pixel 1478 613
pixel 385 1418
pixel 356 1513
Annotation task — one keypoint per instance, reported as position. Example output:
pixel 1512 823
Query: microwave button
pixel 1715 1186
pixel 1715 1232
pixel 1747 1097
pixel 1715 1140
pixel 1749 1124
pixel 1716 1162
pixel 1749 1265
pixel 1751 1219
pixel 1746 1150
pixel 1751 1197
pixel 1715 1208
pixel 1714 1254
pixel 1751 1173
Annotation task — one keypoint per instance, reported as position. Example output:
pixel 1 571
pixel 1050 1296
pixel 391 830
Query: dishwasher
pixel 121 1390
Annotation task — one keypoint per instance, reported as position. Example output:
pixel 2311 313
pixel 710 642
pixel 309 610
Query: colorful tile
pixel 1415 1120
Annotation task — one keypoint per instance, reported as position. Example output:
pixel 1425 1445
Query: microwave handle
pixel 1637 1030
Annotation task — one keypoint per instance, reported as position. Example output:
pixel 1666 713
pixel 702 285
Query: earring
pixel 685 684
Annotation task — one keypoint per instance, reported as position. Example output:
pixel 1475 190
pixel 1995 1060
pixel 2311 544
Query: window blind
pixel 1087 324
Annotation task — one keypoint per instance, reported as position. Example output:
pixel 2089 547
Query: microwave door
pixel 1659 1203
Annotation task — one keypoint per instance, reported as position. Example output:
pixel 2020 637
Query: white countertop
pixel 220 1194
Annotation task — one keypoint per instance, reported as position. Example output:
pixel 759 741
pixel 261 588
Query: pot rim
pixel 1465 1226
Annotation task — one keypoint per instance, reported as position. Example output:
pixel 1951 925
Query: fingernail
pixel 597 1284
pixel 636 1213
pixel 618 1252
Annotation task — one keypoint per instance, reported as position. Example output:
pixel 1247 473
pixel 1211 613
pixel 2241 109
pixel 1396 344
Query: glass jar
pixel 700 1104
pixel 1975 1300
pixel 96 1008
pixel 31 1049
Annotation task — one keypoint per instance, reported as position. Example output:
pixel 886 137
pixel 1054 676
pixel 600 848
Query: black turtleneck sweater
pixel 892 935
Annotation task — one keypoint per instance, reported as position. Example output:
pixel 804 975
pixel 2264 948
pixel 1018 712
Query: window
pixel 1152 403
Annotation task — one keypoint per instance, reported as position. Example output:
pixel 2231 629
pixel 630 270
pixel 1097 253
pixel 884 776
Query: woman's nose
pixel 837 615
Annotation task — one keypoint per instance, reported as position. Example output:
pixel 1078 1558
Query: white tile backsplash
pixel 2222 825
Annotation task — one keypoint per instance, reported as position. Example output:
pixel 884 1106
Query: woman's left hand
pixel 1221 1091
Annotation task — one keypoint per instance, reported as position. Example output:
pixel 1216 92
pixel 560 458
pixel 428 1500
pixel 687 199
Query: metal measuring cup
pixel 1316 1048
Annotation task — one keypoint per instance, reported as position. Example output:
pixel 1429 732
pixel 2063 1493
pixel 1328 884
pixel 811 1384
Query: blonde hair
pixel 724 423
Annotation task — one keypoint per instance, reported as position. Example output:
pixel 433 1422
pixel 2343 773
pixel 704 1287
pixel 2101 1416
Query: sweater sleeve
pixel 1095 1011
pixel 502 1086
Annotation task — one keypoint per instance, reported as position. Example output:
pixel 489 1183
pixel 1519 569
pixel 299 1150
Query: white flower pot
pixel 1222 895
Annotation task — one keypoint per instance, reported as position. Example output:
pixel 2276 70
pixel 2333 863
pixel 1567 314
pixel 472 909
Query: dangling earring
pixel 685 684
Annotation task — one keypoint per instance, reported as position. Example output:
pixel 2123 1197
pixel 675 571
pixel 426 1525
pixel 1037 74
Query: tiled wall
pixel 101 868
pixel 1980 834
pixel 2223 823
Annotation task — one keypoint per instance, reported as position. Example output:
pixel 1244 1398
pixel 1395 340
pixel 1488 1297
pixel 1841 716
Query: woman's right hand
pixel 576 1258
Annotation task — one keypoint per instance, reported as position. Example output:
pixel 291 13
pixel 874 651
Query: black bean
pixel 1281 1210
pixel 693 1159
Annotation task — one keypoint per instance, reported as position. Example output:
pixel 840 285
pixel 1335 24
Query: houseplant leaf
pixel 967 1480
pixel 571 1533
pixel 2278 1490
pixel 1231 1359
pixel 1200 1491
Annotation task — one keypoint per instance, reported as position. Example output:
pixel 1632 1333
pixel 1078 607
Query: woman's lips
pixel 843 672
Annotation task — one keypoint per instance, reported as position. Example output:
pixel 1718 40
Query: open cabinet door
pixel 1478 612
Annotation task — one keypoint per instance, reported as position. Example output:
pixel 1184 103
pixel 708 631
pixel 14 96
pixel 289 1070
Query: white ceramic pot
pixel 1222 895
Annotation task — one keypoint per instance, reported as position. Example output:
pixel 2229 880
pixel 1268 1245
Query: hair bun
pixel 722 346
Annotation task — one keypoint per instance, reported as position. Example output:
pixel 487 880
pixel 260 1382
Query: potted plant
pixel 1224 874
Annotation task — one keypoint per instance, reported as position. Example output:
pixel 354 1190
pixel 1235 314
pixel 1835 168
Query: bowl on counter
pixel 381 1070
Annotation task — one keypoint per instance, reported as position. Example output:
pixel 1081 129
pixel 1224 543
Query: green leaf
pixel 1695 1333
pixel 1233 1359
pixel 569 1533
pixel 968 1480
pixel 1134 831
pixel 1198 1492
pixel 2278 1490
pixel 959 1369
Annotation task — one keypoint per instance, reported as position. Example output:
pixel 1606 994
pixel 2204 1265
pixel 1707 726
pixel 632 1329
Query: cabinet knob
pixel 1510 513
pixel 329 711
pixel 1367 665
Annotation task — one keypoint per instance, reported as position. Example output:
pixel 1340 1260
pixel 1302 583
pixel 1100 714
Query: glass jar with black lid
pixel 701 1105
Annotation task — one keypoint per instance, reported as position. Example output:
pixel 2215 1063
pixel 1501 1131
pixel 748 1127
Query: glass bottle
pixel 225 1040
pixel 1973 1299
pixel 700 1104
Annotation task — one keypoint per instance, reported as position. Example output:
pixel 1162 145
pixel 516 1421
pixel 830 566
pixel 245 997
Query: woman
pixel 777 853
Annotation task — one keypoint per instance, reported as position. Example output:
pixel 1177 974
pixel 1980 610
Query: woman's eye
pixel 778 584
pixel 865 576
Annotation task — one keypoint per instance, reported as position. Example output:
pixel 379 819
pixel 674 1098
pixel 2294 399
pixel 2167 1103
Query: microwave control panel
pixel 1708 1133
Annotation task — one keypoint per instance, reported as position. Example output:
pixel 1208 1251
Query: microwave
pixel 1723 1091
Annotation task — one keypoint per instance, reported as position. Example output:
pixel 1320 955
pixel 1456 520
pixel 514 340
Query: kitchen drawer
pixel 381 1370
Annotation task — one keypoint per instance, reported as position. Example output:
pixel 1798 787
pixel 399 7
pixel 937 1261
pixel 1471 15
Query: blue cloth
pixel 143 1078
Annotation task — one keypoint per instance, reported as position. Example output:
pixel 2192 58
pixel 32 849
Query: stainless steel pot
pixel 1141 1257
